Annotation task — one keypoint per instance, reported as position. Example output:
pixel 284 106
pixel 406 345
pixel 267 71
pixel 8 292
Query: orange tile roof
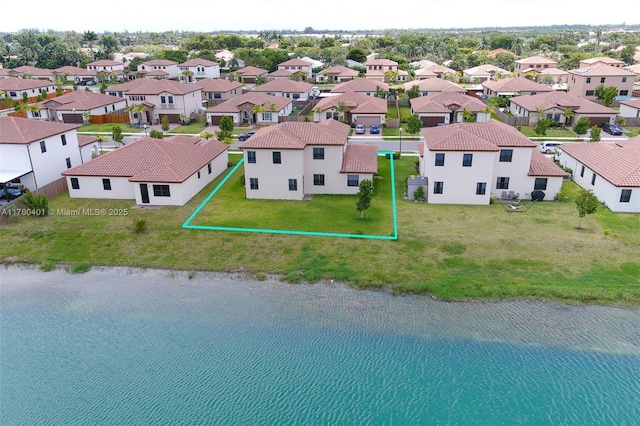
pixel 233 105
pixel 295 62
pixel 297 135
pixel 159 62
pixel 84 140
pixel 197 61
pixel 441 102
pixel 355 102
pixel 600 69
pixel 516 84
pixel 360 85
pixel 360 159
pixel 21 131
pixel 487 136
pixel 435 85
pixel 284 85
pixel 542 166
pixel 105 63
pixel 619 165
pixel 217 85
pixel 81 100
pixel 155 87
pixel 16 83
pixel 561 100
pixel 536 60
pixel 251 71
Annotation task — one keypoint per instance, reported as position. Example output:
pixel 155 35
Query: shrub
pixel 242 182
pixel 80 267
pixel 37 204
pixel 156 134
pixel 139 225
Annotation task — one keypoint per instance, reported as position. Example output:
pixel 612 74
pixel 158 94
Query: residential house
pixel 559 76
pixel 364 86
pixel 556 104
pixel 299 68
pixel 612 172
pixel 75 74
pixel 376 69
pixel 27 71
pixel 249 75
pixel 352 107
pixel 107 66
pixel 296 90
pixel 33 153
pixel 216 90
pixel 280 74
pixel 162 68
pixel 162 172
pixel 433 71
pixel 16 88
pixel 630 108
pixel 197 69
pixel 635 68
pixel 5 73
pixel 612 62
pixel 251 108
pixel 79 107
pixel 583 81
pixel 516 86
pixel 336 74
pixel 467 163
pixel 495 52
pixel 431 86
pixel 294 159
pixel 164 97
pixel 484 73
pixel 89 147
pixel 533 64
pixel 449 107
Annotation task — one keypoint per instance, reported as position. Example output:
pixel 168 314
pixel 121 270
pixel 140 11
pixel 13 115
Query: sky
pixel 247 15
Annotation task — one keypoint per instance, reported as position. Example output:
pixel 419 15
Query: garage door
pixel 598 121
pixel 173 118
pixel 215 119
pixel 367 121
pixel 432 121
pixel 72 118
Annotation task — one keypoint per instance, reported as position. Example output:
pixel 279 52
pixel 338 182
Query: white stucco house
pixel 296 90
pixel 297 67
pixel 160 65
pixel 15 87
pixel 251 108
pixel 630 109
pixel 77 107
pixel 448 107
pixel 467 163
pixel 163 97
pixel 196 69
pixel 163 172
pixel 218 90
pixel 353 107
pixel 33 153
pixel 361 85
pixel 107 65
pixel 294 159
pixel 612 172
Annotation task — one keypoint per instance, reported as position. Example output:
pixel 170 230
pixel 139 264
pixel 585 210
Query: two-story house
pixel 160 68
pixel 583 81
pixel 295 159
pixel 79 107
pixel 299 69
pixel 197 69
pixel 33 153
pixel 27 71
pixel 217 90
pixel 467 163
pixel 296 90
pixel 376 69
pixel 249 75
pixel 516 86
pixel 535 64
pixel 486 72
pixel 612 62
pixel 165 97
pixel 106 65
pixel 75 74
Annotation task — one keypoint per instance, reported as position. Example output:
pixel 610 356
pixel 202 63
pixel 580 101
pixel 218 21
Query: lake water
pixel 131 347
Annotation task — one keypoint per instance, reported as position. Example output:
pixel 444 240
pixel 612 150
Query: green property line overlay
pixel 187 225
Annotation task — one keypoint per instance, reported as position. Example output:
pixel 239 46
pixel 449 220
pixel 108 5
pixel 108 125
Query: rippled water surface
pixel 120 347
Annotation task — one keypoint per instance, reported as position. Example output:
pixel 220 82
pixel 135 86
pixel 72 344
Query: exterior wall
pixel 263 118
pixel 236 117
pixel 517 171
pixel 273 179
pixel 47 166
pixel 307 69
pixel 86 152
pixel 172 70
pixel 92 187
pixel 627 111
pixel 182 104
pixel 302 96
pixel 577 85
pixel 16 157
pixel 224 96
pixel 108 68
pixel 95 111
pixel 201 72
pixel 31 93
pixel 334 181
pixel 368 118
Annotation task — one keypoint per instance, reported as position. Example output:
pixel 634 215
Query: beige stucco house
pixel 376 69
pixel 298 67
pixel 336 74
pixel 296 90
pixel 352 107
pixel 583 81
pixel 515 86
pixel 447 108
pixel 533 63
pixel 216 90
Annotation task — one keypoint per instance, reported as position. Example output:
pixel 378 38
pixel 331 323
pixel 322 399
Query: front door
pixel 144 193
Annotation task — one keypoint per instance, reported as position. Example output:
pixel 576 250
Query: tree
pixel 226 128
pixel 357 54
pixel 156 134
pixel 542 126
pixel 586 203
pixel 116 134
pixel 364 196
pixel 414 92
pixel 418 194
pixel 380 93
pixel 138 110
pixel 581 126
pixel 414 124
pixel 568 115
pixel 164 121
pixel 609 95
pixel 468 116
pixel 595 134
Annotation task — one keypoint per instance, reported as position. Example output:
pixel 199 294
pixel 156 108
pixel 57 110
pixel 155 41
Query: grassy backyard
pixel 551 133
pixel 452 252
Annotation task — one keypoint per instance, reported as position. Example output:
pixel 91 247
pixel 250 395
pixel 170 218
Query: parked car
pixel 612 129
pixel 245 136
pixel 91 83
pixel 549 147
pixel 360 129
pixel 375 129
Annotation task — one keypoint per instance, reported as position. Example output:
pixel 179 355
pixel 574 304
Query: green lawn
pixel 392 113
pixel 453 252
pixel 189 129
pixel 631 131
pixel 394 131
pixel 107 128
pixel 551 133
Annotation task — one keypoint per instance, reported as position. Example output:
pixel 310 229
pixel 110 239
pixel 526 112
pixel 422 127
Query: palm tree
pixel 187 74
pixel 568 116
pixel 140 110
pixel 90 37
pixel 257 109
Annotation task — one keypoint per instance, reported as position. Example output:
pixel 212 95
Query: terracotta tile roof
pixel 152 160
pixel 339 71
pixel 634 103
pixel 434 70
pixel 516 84
pixel 442 102
pixel 355 102
pixel 553 71
pixel 295 63
pixel 217 85
pixel 542 166
pixel 284 85
pixel 561 100
pixel 155 87
pixel 75 71
pixel 360 159
pixel 536 60
pixel 105 63
pixel 80 100
pixel 602 70
pixel 360 85
pixel 34 71
pixel 16 83
pixel 129 85
pixel 602 59
pixel 484 70
pixel 280 73
pixel 156 73
pixel 487 136
pixel 159 63
pixel 618 165
pixel 234 104
pixel 20 131
pixel 297 135
pixel 4 72
pixel 197 61
pixel 494 52
pixel 84 140
pixel 435 85
pixel 384 62
pixel 251 71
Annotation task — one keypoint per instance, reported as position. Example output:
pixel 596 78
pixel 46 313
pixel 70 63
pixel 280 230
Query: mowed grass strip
pixel 452 252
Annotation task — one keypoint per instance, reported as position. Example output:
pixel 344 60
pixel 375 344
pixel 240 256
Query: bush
pixel 157 134
pixel 37 204
pixel 139 225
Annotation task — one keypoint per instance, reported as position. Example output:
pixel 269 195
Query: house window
pixel 438 187
pixel 277 157
pixel 502 183
pixel 588 80
pixel 198 174
pixel 506 155
pixel 106 184
pixel 43 146
pixel 318 180
pixel 624 79
pixel 467 159
pixel 251 157
pixel 589 93
pixel 593 179
pixel 602 79
pixel 582 171
pixel 540 184
pixel 161 191
pixel 353 180
pixel 217 96
pixel 440 159
pixel 266 116
pixel 624 92
pixel 163 99
pixel 625 195
pixel 293 184
pixel 68 163
pixel 481 188
pixel 75 184
pixel 253 183
pixel 329 115
pixel 296 96
pixel 318 153
pixel 64 139
pixel 209 168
